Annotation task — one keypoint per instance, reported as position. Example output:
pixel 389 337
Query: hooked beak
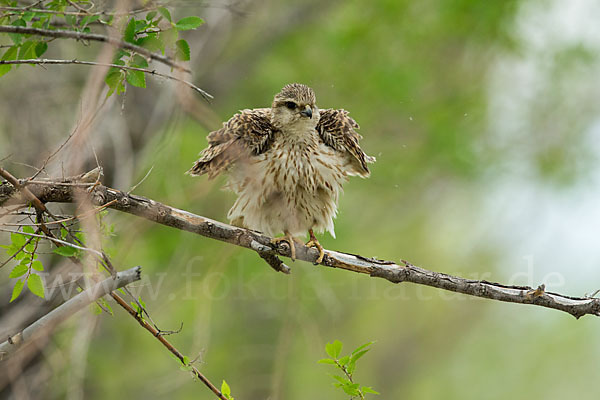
pixel 307 112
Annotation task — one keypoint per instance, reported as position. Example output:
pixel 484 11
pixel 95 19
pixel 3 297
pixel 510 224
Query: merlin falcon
pixel 286 164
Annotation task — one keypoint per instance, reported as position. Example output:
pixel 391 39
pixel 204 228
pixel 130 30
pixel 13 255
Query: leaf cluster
pixel 347 365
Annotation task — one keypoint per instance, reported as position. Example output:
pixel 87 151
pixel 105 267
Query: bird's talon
pixel 313 242
pixel 290 241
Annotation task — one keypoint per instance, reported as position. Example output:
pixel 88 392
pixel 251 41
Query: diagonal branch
pixel 62 34
pixel 403 272
pixel 68 308
pixel 44 61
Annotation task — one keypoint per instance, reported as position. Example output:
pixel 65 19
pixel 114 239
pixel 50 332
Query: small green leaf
pixel 188 23
pixel 18 239
pixel 335 348
pixel 369 389
pixel 351 389
pixel 40 48
pixel 359 348
pixel 344 360
pixel 65 251
pixel 18 271
pixel 17 37
pixel 136 78
pixel 182 50
pixel 27 50
pixel 356 356
pixel 28 229
pixel 151 43
pixel 341 379
pixel 35 285
pixel 326 361
pixel 150 15
pixel 139 61
pixel 129 34
pixel 165 13
pixel 17 290
pixel 37 265
pixel 226 390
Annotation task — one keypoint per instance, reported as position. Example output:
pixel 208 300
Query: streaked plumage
pixel 286 163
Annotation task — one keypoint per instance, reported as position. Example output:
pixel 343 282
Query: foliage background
pixel 484 120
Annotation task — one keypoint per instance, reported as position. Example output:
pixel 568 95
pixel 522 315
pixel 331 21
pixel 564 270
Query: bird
pixel 287 165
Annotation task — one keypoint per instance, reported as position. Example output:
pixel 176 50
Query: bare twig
pixel 94 37
pixel 391 271
pixel 68 308
pixel 80 13
pixel 121 67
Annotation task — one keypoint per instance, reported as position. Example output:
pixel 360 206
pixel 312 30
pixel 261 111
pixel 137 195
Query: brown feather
pixel 337 129
pixel 249 132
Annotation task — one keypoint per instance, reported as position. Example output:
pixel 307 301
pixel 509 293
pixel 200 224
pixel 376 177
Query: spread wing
pixel 337 130
pixel 247 133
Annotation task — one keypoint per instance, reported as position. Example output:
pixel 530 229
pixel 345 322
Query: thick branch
pixel 67 309
pixel 391 271
pixel 62 34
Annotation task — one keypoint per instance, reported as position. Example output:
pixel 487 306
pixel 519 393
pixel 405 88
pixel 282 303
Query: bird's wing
pixel 247 133
pixel 337 130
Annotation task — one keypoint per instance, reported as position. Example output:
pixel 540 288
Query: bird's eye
pixel 290 104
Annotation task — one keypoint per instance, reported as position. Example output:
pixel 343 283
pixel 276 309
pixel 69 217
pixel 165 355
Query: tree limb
pixel 62 34
pixel 68 308
pixel 404 272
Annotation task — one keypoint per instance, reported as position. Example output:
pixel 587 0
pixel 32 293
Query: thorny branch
pixel 55 191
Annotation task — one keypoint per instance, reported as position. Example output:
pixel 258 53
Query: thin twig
pixel 121 67
pixel 80 13
pixel 94 37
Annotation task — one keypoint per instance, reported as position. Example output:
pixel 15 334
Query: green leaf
pixel 165 13
pixel 326 361
pixel 65 251
pixel 35 285
pixel 101 301
pixel 17 37
pixel 28 229
pixel 334 349
pixel 17 290
pixel 188 23
pixel 150 15
pixel 150 42
pixel 359 348
pixel 182 50
pixel 344 360
pixel 226 390
pixel 129 34
pixel 356 356
pixel 351 389
pixel 18 271
pixel 369 389
pixel 136 78
pixel 18 240
pixel 139 61
pixel 341 379
pixel 168 37
pixel 37 265
pixel 27 50
pixel 40 48
pixel 10 54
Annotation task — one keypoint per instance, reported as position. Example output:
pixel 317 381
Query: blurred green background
pixel 484 118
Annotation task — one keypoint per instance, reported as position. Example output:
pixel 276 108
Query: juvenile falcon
pixel 286 164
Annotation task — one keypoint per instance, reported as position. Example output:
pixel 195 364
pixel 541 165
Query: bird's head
pixel 294 107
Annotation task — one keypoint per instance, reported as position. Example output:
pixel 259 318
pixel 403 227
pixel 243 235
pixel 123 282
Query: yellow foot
pixel 313 242
pixel 290 240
